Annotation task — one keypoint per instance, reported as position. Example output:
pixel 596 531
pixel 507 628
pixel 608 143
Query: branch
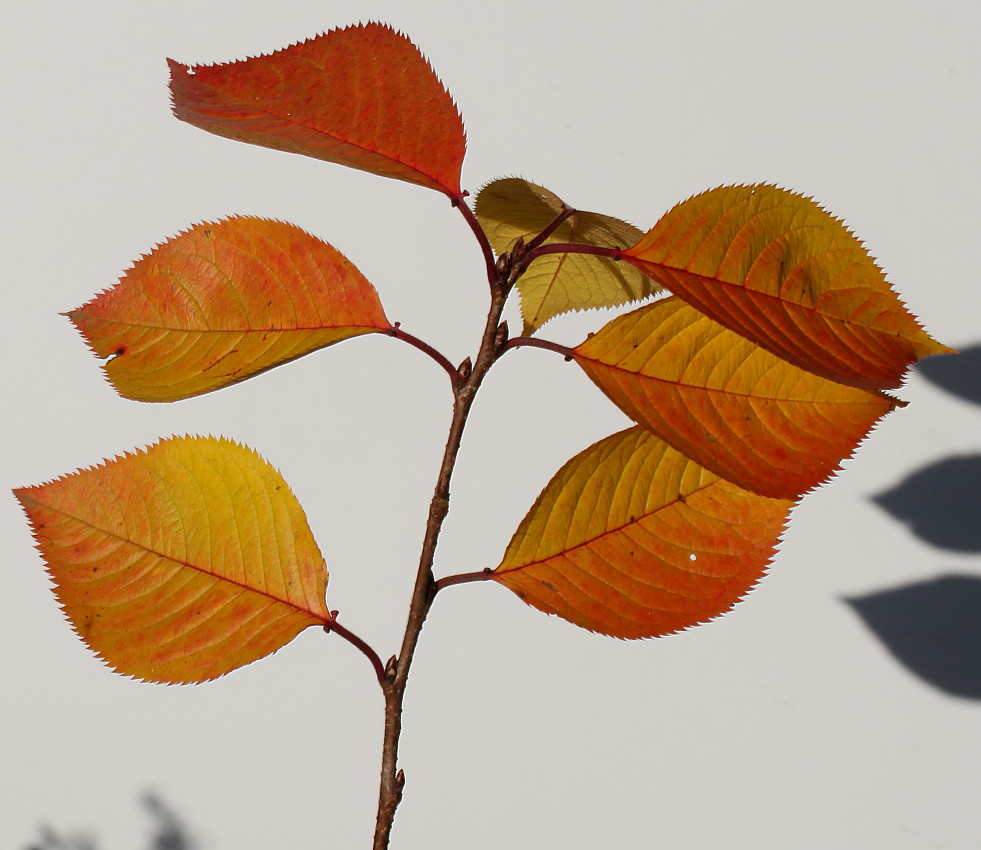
pixel 468 380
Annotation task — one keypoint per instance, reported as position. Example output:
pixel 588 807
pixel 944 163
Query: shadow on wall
pixel 940 503
pixel 959 374
pixel 934 627
pixel 169 832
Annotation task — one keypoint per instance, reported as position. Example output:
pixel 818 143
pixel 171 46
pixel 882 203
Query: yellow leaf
pixel 181 562
pixel 222 302
pixel 746 414
pixel 511 208
pixel 633 539
pixel 776 268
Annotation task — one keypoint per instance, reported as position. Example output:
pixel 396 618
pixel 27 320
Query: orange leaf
pixel 363 96
pixel 512 208
pixel 732 406
pixel 222 302
pixel 632 539
pixel 776 268
pixel 181 562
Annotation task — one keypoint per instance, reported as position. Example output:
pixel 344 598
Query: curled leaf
pixel 735 408
pixel 633 539
pixel 181 562
pixel 776 268
pixel 363 96
pixel 511 208
pixel 222 302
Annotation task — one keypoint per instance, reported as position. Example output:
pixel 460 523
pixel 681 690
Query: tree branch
pixel 468 379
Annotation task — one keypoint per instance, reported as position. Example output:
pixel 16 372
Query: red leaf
pixel 363 96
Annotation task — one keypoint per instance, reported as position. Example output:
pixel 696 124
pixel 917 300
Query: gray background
pixel 786 724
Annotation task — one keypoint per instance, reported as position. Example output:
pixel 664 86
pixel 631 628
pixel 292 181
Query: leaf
pixel 773 266
pixel 181 562
pixel 511 208
pixel 222 302
pixel 735 408
pixel 633 540
pixel 363 96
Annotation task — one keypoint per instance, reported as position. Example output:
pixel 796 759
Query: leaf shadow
pixel 169 833
pixel 940 503
pixel 50 840
pixel 958 374
pixel 933 628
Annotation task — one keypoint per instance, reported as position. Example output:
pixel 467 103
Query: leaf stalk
pixel 478 232
pixel 574 248
pixel 426 348
pixel 533 342
pixel 335 627
pixel 462 578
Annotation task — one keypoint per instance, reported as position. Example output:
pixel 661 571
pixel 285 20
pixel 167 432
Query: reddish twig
pixel 532 342
pixel 573 248
pixel 550 228
pixel 468 379
pixel 462 578
pixel 478 232
pixel 426 348
pixel 335 627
